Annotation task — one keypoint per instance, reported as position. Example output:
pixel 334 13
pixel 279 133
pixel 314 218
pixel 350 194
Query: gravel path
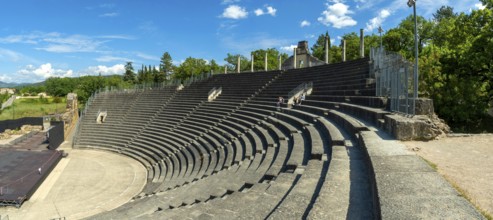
pixel 466 161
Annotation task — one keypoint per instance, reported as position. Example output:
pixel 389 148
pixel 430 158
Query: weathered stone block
pixel 424 107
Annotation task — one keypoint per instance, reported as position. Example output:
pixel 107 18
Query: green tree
pixel 190 67
pixel 232 61
pixel 32 90
pixel 145 75
pixel 352 46
pixel 129 75
pixel 445 12
pixel 214 67
pixel 318 48
pixel 456 67
pixel 166 65
pixel 57 86
pixel 272 59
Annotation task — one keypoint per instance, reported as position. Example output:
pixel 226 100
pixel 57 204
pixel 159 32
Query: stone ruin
pixel 303 58
pixel 424 125
pixel 23 130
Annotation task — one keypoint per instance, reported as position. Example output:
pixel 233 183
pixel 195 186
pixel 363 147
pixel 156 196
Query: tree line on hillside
pixel 455 64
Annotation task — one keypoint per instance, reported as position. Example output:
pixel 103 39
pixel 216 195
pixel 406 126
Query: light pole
pixel 380 30
pixel 412 3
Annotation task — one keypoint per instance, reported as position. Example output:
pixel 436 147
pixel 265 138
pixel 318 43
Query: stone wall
pixel 425 125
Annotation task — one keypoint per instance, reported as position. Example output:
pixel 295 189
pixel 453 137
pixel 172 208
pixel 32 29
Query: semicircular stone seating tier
pixel 242 156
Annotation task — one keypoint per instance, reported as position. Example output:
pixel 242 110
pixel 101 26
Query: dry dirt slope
pixel 466 161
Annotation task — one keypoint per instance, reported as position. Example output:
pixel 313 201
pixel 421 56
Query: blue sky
pixel 69 38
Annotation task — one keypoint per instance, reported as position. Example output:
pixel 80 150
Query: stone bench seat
pixel 369 101
pixel 296 205
pixel 296 146
pixel 351 92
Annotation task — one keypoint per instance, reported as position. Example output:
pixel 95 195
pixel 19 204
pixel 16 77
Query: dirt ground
pixel 466 161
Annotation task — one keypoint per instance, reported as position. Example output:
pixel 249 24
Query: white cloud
pixel 62 43
pixel 107 5
pixel 32 38
pixel 337 15
pixel 235 12
pixel 117 69
pixel 310 36
pixel 111 14
pixel 369 4
pixel 269 10
pixel 9 55
pixel 258 12
pixel 305 23
pixel 71 44
pixel 178 62
pixel 117 37
pixel 5 78
pixel 375 22
pixel 147 56
pixel 225 2
pixel 288 49
pixel 43 72
pixel 480 6
pixel 112 59
pixel 272 11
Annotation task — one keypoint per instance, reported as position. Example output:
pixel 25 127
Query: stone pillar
pixel 239 65
pixel 265 68
pixel 225 69
pixel 252 62
pixel 361 43
pixel 294 58
pixel 343 50
pixel 280 64
pixel 327 49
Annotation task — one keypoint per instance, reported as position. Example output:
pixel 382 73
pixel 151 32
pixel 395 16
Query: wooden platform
pixel 19 173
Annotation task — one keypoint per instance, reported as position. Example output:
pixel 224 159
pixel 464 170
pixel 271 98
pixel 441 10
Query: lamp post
pixel 380 30
pixel 412 3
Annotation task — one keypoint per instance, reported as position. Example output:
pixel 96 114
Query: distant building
pixel 303 58
pixel 7 90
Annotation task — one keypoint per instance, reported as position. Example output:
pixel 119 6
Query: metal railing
pixel 196 78
pixel 306 87
pixel 394 79
pixel 214 93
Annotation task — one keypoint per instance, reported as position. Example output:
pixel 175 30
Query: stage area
pixel 85 183
pixel 21 171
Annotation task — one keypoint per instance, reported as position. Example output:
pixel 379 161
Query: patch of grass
pixel 34 107
pixel 434 166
